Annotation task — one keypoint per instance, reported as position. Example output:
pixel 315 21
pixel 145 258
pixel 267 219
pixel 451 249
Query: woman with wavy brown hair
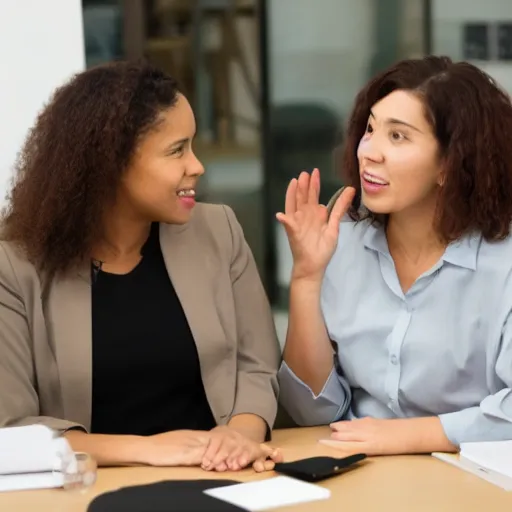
pixel 401 300
pixel 132 320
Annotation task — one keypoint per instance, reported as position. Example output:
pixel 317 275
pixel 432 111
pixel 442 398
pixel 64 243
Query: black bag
pixel 166 496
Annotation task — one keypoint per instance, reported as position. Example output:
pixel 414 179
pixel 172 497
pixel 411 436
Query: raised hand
pixel 312 233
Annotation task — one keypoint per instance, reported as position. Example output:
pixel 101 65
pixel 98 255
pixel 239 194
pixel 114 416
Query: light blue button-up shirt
pixel 443 349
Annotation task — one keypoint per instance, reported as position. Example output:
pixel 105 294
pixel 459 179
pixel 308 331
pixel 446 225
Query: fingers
pixel 314 187
pixel 221 467
pixel 262 465
pixel 237 459
pixel 287 221
pixel 211 453
pixel 341 206
pixel 290 203
pixel 345 436
pixel 274 453
pixel 302 192
pixel 338 425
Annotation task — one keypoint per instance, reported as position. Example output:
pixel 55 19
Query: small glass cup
pixel 81 474
pixel 75 471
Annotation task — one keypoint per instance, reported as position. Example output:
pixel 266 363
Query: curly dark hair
pixel 471 118
pixel 74 157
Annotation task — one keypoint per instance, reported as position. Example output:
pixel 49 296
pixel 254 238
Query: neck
pixel 412 234
pixel 123 236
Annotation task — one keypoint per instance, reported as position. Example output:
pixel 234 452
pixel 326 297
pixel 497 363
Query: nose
pixel 194 166
pixel 370 148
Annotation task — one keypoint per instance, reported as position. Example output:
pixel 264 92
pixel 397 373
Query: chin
pixel 377 205
pixel 178 219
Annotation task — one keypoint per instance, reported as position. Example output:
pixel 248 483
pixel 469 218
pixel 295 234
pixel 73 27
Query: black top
pixel 146 377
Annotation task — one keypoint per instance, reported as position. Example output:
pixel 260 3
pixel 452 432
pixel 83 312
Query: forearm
pixel 109 450
pixel 250 425
pixel 423 435
pixel 307 351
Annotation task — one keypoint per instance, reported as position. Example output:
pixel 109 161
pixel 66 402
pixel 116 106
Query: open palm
pixel 312 232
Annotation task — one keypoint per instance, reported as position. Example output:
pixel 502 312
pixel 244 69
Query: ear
pixel 441 176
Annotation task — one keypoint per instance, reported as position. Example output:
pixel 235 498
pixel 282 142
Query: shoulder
pixel 494 261
pixel 16 271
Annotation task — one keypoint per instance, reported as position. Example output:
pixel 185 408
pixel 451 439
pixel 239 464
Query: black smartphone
pixel 314 469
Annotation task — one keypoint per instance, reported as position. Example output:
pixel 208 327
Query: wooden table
pixel 403 483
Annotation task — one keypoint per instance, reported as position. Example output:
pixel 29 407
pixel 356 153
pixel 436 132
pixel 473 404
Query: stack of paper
pixel 491 461
pixel 31 458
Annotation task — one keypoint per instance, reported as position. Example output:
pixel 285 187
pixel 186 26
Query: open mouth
pixel 186 192
pixel 374 180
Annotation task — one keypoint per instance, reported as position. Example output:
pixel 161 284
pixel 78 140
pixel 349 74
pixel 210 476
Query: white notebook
pixel 274 492
pixel 491 461
pixel 31 458
pixel 496 455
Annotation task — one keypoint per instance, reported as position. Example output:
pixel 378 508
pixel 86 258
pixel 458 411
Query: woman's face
pixel 398 156
pixel 160 183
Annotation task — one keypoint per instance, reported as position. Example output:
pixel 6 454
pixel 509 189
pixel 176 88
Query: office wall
pixel 41 46
pixel 448 19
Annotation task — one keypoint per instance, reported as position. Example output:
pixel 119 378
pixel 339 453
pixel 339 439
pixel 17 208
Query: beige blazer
pixel 45 327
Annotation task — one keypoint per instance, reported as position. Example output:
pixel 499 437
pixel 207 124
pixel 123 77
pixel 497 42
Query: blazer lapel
pixel 193 277
pixel 69 307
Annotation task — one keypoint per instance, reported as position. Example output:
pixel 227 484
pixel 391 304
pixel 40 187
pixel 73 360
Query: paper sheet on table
pixel 271 493
pixel 488 475
pixel 495 455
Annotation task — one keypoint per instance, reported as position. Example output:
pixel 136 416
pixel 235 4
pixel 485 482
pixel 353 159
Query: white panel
pixel 41 46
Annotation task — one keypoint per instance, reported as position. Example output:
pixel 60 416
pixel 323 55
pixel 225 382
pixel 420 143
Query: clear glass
pixel 80 474
pixel 74 471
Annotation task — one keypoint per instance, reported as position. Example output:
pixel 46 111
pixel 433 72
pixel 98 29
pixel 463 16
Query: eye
pixel 178 151
pixel 397 136
pixel 369 128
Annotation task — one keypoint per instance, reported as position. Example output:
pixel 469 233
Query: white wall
pixel 41 46
pixel 449 17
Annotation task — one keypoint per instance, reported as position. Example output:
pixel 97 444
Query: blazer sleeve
pixel 259 353
pixel 19 401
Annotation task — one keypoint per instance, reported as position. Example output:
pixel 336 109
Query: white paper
pixel 496 455
pixel 486 474
pixel 274 492
pixel 31 457
pixel 27 481
pixel 27 449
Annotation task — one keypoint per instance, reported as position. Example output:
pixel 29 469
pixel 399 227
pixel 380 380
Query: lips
pixel 374 179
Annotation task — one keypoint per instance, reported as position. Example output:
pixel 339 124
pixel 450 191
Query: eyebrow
pixel 393 120
pixel 177 143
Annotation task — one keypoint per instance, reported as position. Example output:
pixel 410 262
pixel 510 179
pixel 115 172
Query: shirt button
pixel 394 359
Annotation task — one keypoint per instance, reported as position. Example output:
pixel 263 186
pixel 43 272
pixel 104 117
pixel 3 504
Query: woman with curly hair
pixel 131 319
pixel 401 310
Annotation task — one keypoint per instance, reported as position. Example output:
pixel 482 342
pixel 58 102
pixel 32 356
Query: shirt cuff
pixel 308 409
pixel 455 424
pixel 491 421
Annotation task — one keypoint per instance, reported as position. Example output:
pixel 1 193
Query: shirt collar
pixel 462 252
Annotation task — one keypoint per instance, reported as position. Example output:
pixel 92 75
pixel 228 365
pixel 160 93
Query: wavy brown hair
pixel 471 118
pixel 74 157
